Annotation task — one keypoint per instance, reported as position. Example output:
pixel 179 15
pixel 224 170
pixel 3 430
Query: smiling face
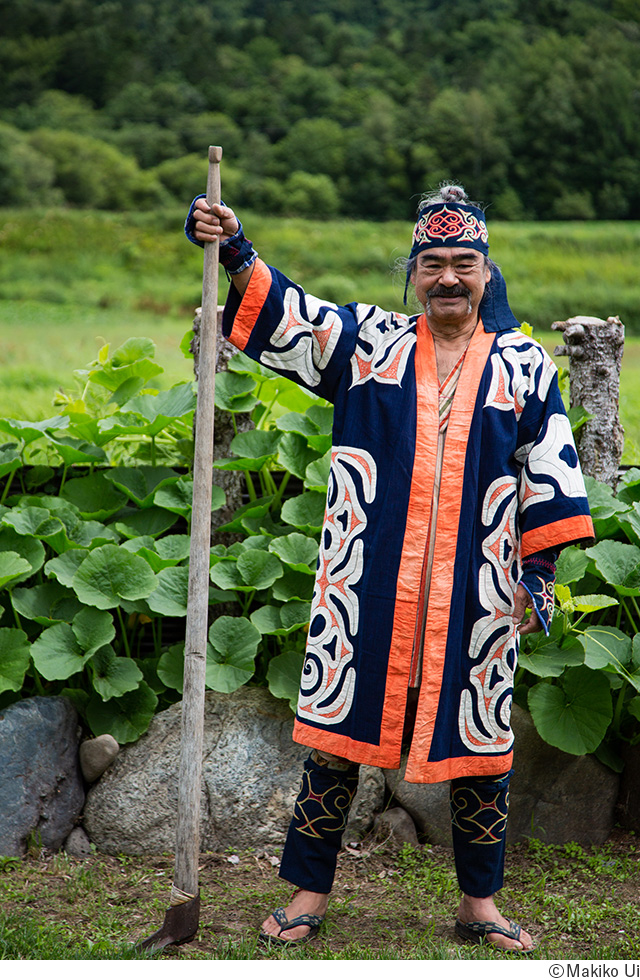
pixel 450 284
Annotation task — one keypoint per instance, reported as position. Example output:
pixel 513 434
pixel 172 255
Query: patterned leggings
pixel 478 824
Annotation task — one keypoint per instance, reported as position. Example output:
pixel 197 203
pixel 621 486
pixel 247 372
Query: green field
pixel 74 280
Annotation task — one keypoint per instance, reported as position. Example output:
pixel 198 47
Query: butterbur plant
pixel 94 541
pixel 582 683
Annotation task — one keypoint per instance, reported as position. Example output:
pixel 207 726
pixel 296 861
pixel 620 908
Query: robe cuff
pixel 539 579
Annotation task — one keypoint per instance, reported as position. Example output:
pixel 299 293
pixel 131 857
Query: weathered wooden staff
pixel 183 916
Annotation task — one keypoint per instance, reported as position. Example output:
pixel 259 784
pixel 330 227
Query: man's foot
pixel 302 903
pixel 484 910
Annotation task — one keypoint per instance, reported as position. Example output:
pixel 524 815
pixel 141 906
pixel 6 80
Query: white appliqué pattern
pixel 385 341
pixel 485 707
pixel 544 459
pixel 328 681
pixel 521 367
pixel 305 348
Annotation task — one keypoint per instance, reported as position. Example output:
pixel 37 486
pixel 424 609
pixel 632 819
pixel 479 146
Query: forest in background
pixel 323 107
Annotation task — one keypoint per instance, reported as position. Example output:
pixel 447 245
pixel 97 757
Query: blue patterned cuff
pixel 539 579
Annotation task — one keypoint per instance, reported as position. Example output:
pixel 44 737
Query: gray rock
pixel 96 755
pixel 396 823
pixel 41 789
pixel 553 796
pixel 251 777
pixel 78 844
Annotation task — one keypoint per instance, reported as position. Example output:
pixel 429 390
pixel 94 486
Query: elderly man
pixel 454 483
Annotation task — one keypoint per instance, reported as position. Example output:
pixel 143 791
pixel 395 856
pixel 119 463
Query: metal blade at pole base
pixel 180 926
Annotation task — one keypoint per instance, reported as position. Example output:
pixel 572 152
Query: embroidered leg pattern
pixel 319 818
pixel 479 807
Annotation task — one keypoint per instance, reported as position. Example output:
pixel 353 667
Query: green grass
pixel 389 903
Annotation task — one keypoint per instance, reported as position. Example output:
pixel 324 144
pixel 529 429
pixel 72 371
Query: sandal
pixel 477 932
pixel 312 921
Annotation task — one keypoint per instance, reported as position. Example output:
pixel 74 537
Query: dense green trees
pixel 325 105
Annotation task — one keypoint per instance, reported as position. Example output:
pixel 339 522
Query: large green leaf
pixel 231 661
pixel 630 522
pixel 139 483
pixel 113 676
pixel 281 620
pixel 110 574
pixel 126 717
pixel 606 646
pixel 572 565
pixel 13 568
pixel 234 392
pixel 171 667
pixel 35 522
pixel 174 403
pixel 602 502
pixel 29 549
pixel 255 509
pixel 550 660
pixel 305 512
pixel 316 476
pixel 297 551
pixel 293 585
pixel 9 461
pixel 295 455
pixel 46 604
pixel 283 676
pixel 574 715
pixel 14 659
pixel 150 414
pixel 177 497
pixel 94 496
pixel 226 575
pixel 74 450
pixel 65 566
pixel 628 489
pixel 172 592
pixel 29 431
pixel 56 653
pixel 93 628
pixel 252 449
pixel 153 521
pixel 259 569
pixel 619 565
pixel 297 422
pixel 174 547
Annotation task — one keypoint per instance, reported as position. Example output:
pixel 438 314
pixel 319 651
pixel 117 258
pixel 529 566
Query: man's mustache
pixel 449 292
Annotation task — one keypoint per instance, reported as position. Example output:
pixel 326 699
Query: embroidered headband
pixel 448 226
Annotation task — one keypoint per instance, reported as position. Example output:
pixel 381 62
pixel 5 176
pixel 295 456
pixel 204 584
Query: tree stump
pixel 594 348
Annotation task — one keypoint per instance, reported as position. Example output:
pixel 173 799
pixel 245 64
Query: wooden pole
pixel 195 650
pixel 182 918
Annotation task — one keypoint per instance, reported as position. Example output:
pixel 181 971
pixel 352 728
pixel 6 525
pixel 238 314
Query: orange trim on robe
pixel 251 305
pixel 578 528
pixel 439 607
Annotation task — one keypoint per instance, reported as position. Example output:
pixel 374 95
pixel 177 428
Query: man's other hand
pixel 528 623
pixel 218 221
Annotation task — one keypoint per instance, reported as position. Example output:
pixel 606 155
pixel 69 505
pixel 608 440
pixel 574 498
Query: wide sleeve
pixel 292 332
pixel 553 506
